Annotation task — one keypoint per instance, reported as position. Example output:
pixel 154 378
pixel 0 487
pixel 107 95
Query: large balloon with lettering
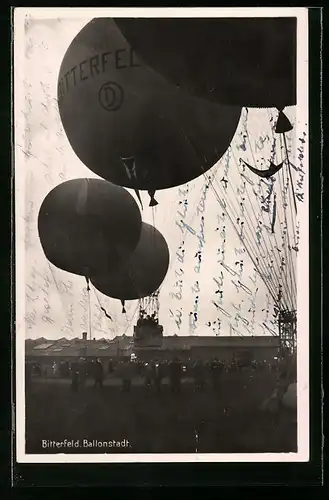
pixel 239 61
pixel 142 273
pixel 85 223
pixel 127 124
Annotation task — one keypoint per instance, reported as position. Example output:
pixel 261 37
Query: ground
pixel 228 420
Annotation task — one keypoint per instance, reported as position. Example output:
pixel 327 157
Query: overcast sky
pixel 56 301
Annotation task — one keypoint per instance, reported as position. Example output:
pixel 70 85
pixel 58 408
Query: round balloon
pixel 85 223
pixel 142 273
pixel 127 123
pixel 239 61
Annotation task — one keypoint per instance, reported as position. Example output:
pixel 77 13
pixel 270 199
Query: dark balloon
pixel 87 223
pixel 127 123
pixel 283 124
pixel 142 273
pixel 239 61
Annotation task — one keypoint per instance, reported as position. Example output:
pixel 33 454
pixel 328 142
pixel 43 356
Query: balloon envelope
pixel 127 123
pixel 84 223
pixel 239 61
pixel 142 273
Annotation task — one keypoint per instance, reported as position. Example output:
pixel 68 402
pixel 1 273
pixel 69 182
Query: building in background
pixel 260 348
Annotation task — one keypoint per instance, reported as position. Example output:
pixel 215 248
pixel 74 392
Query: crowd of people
pixel 153 372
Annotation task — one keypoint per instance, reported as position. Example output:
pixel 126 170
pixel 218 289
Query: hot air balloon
pixel 141 274
pixel 239 61
pixel 85 223
pixel 130 126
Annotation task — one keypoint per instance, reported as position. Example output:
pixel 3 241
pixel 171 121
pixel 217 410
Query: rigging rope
pixel 131 320
pixel 248 251
pixel 211 183
pixel 288 254
pixel 100 305
pixel 251 251
pixel 260 183
pixel 254 231
pixel 289 169
pixel 279 279
pixel 89 308
pixel 287 288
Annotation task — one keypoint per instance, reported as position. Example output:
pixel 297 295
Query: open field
pixel 228 420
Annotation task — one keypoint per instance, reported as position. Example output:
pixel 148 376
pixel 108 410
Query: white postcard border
pixel 20 15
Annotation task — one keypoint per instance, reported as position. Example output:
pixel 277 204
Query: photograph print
pixel 161 212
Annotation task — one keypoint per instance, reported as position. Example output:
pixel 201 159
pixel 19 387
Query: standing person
pixel 179 374
pixel 127 373
pixel 74 377
pixel 198 371
pixel 98 375
pixel 215 370
pixel 275 402
pixel 157 375
pixel 66 369
pixel 175 369
pixel 148 374
pixel 28 372
pixel 82 367
pixel 139 368
pixel 171 373
pixel 282 382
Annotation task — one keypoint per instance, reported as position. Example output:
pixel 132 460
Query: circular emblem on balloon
pixel 114 107
pixel 111 96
